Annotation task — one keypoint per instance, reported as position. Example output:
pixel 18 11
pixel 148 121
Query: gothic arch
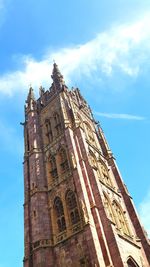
pixel 120 218
pixel 72 207
pixel 105 173
pixel 52 167
pixel 59 215
pixel 108 208
pixel 63 159
pixel 48 130
pixel 131 262
pixel 89 132
pixel 57 123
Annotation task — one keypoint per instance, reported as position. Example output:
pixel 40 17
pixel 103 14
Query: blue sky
pixel 102 47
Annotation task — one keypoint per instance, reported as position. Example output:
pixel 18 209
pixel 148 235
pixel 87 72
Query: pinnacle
pixel 31 94
pixel 56 69
pixel 56 74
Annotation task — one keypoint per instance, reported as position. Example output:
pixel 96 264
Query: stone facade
pixel 77 210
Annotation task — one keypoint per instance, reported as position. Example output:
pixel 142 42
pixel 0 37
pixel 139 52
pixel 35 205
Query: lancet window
pixel 53 168
pixel 89 134
pixel 59 212
pixel 94 163
pixel 72 207
pixel 108 207
pixel 63 160
pixel 105 174
pixel 120 218
pixel 57 122
pixel 49 133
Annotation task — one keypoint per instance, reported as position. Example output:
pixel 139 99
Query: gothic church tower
pixel 77 210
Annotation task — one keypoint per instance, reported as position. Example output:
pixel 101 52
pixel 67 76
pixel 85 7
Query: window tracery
pixel 53 168
pixel 49 132
pixel 108 207
pixel 94 163
pixel 89 133
pixel 120 218
pixel 57 123
pixel 105 175
pixel 63 160
pixel 72 207
pixel 59 212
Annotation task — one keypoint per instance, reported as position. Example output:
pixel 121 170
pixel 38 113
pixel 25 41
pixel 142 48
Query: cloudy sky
pixel 102 47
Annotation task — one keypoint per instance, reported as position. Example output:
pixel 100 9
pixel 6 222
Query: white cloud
pixel 34 73
pixel 144 211
pixel 124 48
pixel 119 116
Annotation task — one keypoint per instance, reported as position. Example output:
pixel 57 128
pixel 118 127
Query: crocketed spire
pixel 57 76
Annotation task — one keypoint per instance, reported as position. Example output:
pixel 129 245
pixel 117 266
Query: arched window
pixel 53 168
pixel 89 133
pixel 72 207
pixel 105 175
pixel 63 160
pixel 59 212
pixel 93 160
pixel 49 133
pixel 131 263
pixel 120 218
pixel 94 163
pixel 57 123
pixel 108 207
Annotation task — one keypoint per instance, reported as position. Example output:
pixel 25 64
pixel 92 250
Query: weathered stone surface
pixel 66 151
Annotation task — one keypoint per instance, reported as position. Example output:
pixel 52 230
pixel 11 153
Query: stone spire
pixel 57 77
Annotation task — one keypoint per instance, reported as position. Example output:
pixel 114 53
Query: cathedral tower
pixel 77 210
